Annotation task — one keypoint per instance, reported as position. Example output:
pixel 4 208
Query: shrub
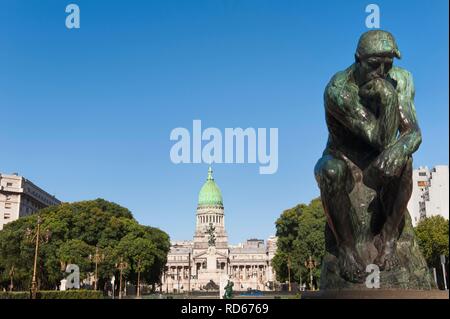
pixel 14 295
pixel 70 294
pixel 54 294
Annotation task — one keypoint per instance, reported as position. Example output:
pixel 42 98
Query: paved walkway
pixel 377 294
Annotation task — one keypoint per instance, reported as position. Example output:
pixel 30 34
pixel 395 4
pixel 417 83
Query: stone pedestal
pixel 211 274
pixel 211 259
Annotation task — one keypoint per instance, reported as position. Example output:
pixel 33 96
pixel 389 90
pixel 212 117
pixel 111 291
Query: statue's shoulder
pixel 341 78
pixel 398 73
pixel 403 79
pixel 339 84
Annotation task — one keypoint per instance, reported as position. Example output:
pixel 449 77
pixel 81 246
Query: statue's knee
pixel 330 172
pixel 333 170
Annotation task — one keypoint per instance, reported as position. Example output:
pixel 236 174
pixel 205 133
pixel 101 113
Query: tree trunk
pixel 139 284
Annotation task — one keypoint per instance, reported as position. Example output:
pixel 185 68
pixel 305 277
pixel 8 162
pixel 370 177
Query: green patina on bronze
pixel 228 290
pixel 365 173
pixel 377 43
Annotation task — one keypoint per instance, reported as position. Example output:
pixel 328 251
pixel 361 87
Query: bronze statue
pixel 365 173
pixel 211 231
pixel 228 290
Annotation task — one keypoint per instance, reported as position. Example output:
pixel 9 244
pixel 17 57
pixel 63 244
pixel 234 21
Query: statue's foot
pixel 350 265
pixel 387 258
pixel 387 261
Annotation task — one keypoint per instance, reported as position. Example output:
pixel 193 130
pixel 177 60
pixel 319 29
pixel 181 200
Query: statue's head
pixel 375 55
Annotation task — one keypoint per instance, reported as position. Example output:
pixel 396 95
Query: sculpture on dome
pixel 211 235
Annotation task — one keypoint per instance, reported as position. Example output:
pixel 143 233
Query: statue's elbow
pixel 416 141
pixel 418 137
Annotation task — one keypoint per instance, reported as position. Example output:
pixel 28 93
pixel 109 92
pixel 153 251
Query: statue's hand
pixel 371 89
pixel 386 92
pixel 367 91
pixel 377 89
pixel 390 162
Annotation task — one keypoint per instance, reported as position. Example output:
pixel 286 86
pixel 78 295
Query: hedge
pixel 15 295
pixel 54 294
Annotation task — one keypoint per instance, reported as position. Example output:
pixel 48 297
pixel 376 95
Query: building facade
pixel 208 261
pixel 20 197
pixel 430 193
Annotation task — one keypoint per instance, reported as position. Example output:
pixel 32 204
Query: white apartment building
pixel 20 197
pixel 430 193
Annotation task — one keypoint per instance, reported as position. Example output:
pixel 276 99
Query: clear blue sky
pixel 87 113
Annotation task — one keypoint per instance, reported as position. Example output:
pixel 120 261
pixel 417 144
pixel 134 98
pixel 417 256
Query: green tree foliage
pixel 75 251
pixel 432 235
pixel 138 253
pixel 300 232
pixel 76 230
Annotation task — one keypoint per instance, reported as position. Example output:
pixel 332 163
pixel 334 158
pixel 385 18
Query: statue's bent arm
pixel 342 102
pixel 410 136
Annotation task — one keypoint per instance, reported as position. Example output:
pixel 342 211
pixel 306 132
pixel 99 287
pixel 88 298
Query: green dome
pixel 210 194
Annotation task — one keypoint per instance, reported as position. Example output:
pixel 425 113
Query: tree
pixel 432 235
pixel 139 252
pixel 300 232
pixel 76 229
pixel 75 251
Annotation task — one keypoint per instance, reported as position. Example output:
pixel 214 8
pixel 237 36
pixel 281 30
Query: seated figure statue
pixel 365 173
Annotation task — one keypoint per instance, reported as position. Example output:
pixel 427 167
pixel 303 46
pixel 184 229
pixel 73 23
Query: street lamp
pixel 121 266
pixel 36 237
pixel 289 272
pixel 11 276
pixel 310 264
pixel 139 269
pixel 97 258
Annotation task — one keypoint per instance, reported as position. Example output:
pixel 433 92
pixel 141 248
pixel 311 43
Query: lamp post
pixel 139 269
pixel 97 258
pixel 11 276
pixel 289 272
pixel 121 266
pixel 310 264
pixel 36 237
pixel 300 276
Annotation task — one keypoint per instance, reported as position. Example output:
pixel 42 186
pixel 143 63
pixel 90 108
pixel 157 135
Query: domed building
pixel 207 261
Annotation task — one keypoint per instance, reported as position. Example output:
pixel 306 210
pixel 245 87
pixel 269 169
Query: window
pixel 8 184
pixel 422 184
pixel 422 174
pixel 6 216
pixel 8 197
pixel 7 205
